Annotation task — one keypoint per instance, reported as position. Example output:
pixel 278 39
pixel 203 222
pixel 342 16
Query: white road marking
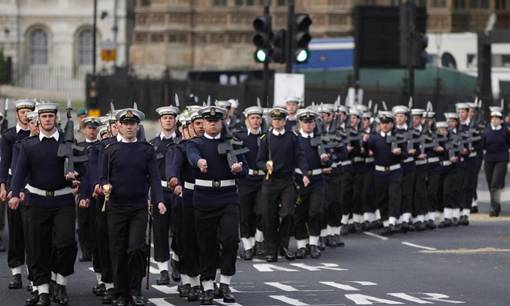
pixel 340 286
pixel 362 299
pixel 272 268
pixel 364 283
pixel 257 260
pixel 322 266
pixel 418 246
pixel 91 269
pixel 166 289
pixel 160 302
pixel 282 286
pixel 442 298
pixel 375 236
pixel 467 251
pixel 407 297
pixel 287 300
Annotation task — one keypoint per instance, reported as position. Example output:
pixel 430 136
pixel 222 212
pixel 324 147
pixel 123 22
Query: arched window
pixel 38 47
pixel 85 48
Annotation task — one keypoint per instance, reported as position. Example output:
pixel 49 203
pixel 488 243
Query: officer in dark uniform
pixel 51 211
pixel 129 169
pixel 16 247
pixel 388 172
pixel 250 187
pixel 86 217
pixel 478 125
pixel 370 212
pixel 279 154
pixel 167 137
pixel 420 182
pixel 496 143
pixel 182 181
pixel 216 203
pixel 309 207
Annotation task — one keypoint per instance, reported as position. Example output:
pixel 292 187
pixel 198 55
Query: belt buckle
pixel 216 184
pixel 50 193
pixel 255 172
pixel 386 168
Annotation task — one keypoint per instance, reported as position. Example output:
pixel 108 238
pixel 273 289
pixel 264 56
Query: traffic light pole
pixel 290 34
pixel 266 66
pixel 411 42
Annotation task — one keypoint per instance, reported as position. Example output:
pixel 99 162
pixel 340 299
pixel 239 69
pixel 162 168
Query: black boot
pixel 44 300
pixel 121 301
pixel 184 290
pixel 207 297
pixel 248 254
pixel 288 254
pixel 315 251
pixel 445 223
pixel 339 242
pixel 301 253
pixel 16 282
pixel 259 247
pixel 271 257
pixel 194 294
pixel 176 276
pixel 227 294
pixel 217 292
pixel 108 296
pixel 420 226
pixel 464 220
pixel 330 241
pixel 32 299
pixel 61 295
pixel 138 300
pixel 99 289
pixel 164 278
pixel 387 231
pixel 358 228
pixel 322 243
pixel 474 209
pixel 29 287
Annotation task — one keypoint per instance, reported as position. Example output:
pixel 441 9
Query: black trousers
pixel 176 224
pixel 161 229
pixel 479 161
pixel 470 177
pixel 250 194
pixel 16 247
pixel 189 259
pixel 452 187
pixel 420 204
pixel 309 210
pixel 333 209
pixel 352 186
pixel 51 242
pixel 102 256
pixel 128 249
pixel 217 225
pixel 87 228
pixel 435 191
pixel 408 180
pixel 278 199
pixel 3 206
pixel 388 195
pixel 367 192
pixel 495 172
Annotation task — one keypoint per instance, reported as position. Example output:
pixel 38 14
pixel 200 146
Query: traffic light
pixel 301 37
pixel 262 38
pixel 279 44
pixel 420 46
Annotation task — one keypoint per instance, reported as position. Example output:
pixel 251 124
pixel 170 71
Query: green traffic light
pixel 302 56
pixel 260 55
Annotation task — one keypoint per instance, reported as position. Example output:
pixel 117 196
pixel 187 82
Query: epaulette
pixel 295 132
pixel 263 136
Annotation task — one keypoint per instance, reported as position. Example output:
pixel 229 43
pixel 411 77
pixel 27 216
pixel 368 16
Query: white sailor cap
pixel 212 113
pixel 93 122
pixel 461 105
pixel 194 108
pixel 25 103
pixel 496 111
pixel 417 112
pixel 46 107
pixel 429 114
pixel 183 119
pixel 355 112
pixel 253 110
pixel 360 107
pixel 449 116
pixel 167 110
pixel 33 116
pixel 129 115
pixel 472 105
pixel 226 104
pixel 442 124
pixel 400 109
pixel 326 108
pixel 366 115
pixel 496 114
pixel 102 129
pixel 293 99
pixel 234 103
pixel 342 109
pixel 306 115
pixel 195 116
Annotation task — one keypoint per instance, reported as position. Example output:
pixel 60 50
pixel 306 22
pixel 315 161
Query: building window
pixel 438 3
pixel 85 48
pixel 421 3
pixel 459 4
pixel 281 2
pixel 245 2
pixel 220 2
pixel 479 3
pixel 500 4
pixel 38 50
pixel 146 2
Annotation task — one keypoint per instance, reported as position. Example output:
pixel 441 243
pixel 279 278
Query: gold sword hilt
pixel 270 170
pixel 107 190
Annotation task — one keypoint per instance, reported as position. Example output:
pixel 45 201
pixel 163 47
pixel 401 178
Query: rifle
pixel 396 140
pixel 227 147
pixel 453 145
pixel 325 142
pixel 69 146
pixel 5 122
pixel 413 137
